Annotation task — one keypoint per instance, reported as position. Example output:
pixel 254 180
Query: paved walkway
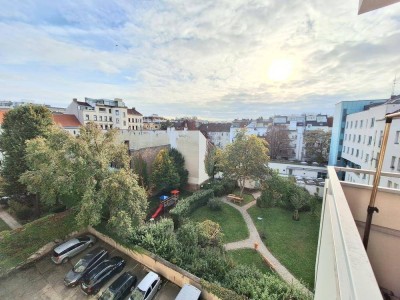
pixel 10 221
pixel 255 238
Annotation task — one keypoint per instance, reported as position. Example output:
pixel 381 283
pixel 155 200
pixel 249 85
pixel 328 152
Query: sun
pixel 280 69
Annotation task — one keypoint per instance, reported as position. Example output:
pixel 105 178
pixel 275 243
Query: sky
pixel 211 59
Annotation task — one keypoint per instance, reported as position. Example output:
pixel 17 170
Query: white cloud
pixel 210 57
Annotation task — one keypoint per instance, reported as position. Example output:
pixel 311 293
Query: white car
pixel 147 288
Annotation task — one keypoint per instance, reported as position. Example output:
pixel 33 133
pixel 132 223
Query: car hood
pixel 72 276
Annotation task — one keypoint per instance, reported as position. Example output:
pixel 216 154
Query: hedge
pixel 186 206
pixel 221 292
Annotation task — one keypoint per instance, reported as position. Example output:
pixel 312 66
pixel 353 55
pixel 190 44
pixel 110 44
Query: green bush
pixel 223 187
pixel 221 292
pixel 214 204
pixel 186 206
pixel 22 211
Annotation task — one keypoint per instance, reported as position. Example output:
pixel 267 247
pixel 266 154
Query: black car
pixel 96 278
pixel 120 288
pixel 85 265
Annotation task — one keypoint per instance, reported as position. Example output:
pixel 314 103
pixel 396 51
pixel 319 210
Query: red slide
pixel 158 211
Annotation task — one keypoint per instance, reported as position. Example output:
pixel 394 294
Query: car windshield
pixel 80 266
pixel 137 295
pixel 107 295
pixel 83 238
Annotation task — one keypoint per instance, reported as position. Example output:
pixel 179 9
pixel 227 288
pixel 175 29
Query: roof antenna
pixel 394 85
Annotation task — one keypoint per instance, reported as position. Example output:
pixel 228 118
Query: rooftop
pixel 65 120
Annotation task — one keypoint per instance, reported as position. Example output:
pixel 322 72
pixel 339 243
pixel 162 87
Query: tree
pixel 278 141
pixel 164 176
pixel 211 161
pixel 246 158
pixel 298 200
pixel 20 125
pixel 61 164
pixel 317 143
pixel 140 168
pixel 179 162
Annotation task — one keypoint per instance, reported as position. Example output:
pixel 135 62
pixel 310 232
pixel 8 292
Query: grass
pixel 293 243
pixel 230 220
pixel 250 257
pixel 3 226
pixel 18 245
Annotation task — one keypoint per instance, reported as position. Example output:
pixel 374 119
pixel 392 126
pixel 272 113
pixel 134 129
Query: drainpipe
pixel 371 207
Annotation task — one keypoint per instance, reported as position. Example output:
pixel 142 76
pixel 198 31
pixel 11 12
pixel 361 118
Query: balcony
pixel 344 270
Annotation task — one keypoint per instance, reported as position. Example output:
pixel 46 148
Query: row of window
pixel 390 184
pixel 109 119
pixel 358 137
pixel 361 123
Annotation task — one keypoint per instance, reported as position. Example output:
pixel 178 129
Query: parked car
pixel 188 292
pixel 85 265
pixel 65 251
pixel 120 288
pixel 96 278
pixel 147 288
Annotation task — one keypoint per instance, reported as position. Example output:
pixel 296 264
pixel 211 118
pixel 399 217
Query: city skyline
pixel 217 61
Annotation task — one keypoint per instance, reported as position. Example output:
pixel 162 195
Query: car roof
pixel 188 292
pixel 93 253
pixel 66 245
pixel 121 280
pixel 147 281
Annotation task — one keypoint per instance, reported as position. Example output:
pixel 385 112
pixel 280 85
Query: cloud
pixel 200 58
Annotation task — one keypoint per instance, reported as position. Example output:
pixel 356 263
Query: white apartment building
pixel 217 133
pixel 107 113
pixel 362 143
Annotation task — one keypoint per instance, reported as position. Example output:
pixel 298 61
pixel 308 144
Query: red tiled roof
pixel 133 111
pixel 2 113
pixel 66 120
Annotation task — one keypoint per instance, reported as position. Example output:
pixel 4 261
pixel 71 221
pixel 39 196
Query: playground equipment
pixel 165 202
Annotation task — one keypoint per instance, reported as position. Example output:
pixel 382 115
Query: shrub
pixel 186 206
pixel 214 204
pixel 221 292
pixel 59 208
pixel 22 211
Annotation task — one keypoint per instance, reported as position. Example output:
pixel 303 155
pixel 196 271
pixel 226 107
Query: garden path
pixel 254 238
pixel 10 221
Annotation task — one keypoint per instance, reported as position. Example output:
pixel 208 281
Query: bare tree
pixel 279 142
pixel 317 144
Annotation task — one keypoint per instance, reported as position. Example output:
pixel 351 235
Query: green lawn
pixel 247 198
pixel 293 243
pixel 250 257
pixel 231 221
pixel 16 246
pixel 3 226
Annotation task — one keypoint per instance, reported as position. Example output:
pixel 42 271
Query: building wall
pixel 219 139
pixel 362 144
pixel 192 145
pixel 342 109
pixel 297 169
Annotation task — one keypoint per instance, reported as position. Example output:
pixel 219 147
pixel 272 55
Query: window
pixel 101 118
pixel 124 114
pixel 395 185
pixel 366 157
pixel 348 149
pixel 347 124
pixel 87 117
pixel 393 161
pixel 345 137
pixel 370 140
pixel 124 123
pixel 390 184
pixel 356 124
pixel 361 123
pixel 380 139
pixel 110 119
pixel 372 122
pixel 398 165
pixel 397 139
pixel 102 110
pixel 129 119
pixel 95 117
pixel 344 148
pixel 351 124
pixel 350 137
pixel 364 139
pixel 117 120
pixel 354 138
pixel 109 110
pixel 359 138
pixel 117 112
pixel 357 152
pixel 352 151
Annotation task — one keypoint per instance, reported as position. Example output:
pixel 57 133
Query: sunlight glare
pixel 280 69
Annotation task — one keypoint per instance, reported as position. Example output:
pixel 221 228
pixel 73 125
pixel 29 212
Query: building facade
pixel 107 113
pixel 217 133
pixel 363 140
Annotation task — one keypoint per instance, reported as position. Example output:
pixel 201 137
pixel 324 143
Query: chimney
pixel 75 100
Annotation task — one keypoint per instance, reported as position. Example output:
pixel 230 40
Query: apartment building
pixel 362 143
pixel 153 122
pixel 217 133
pixel 107 113
pixel 69 123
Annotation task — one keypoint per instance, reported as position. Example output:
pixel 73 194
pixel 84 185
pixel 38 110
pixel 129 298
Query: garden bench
pixel 234 198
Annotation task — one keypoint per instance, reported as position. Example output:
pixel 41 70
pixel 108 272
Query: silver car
pixel 65 251
pixel 147 288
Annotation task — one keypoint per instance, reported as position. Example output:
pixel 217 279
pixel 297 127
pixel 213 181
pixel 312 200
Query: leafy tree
pixel 140 168
pixel 164 176
pixel 278 141
pixel 211 161
pixel 298 200
pixel 61 164
pixel 179 162
pixel 317 143
pixel 20 125
pixel 246 158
